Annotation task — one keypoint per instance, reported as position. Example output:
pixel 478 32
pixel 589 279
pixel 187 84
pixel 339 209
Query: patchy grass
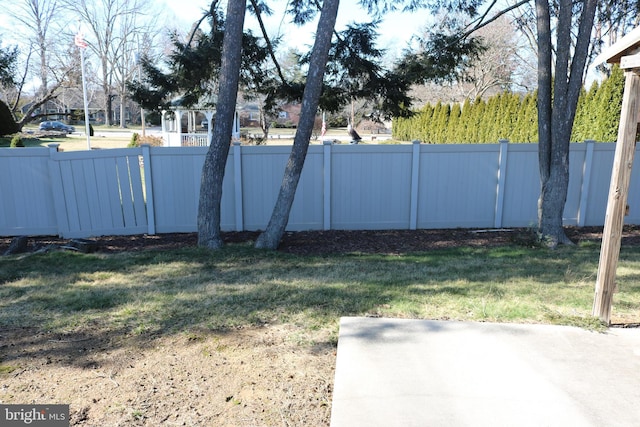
pixel 169 292
pixel 248 337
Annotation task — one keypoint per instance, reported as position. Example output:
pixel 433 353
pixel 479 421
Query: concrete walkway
pixel 395 372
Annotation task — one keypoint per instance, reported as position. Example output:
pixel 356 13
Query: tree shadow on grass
pixel 66 307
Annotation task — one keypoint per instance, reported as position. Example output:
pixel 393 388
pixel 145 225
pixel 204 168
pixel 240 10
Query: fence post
pixel 326 201
pixel 237 179
pixel 586 182
pixel 502 177
pixel 148 188
pixel 415 181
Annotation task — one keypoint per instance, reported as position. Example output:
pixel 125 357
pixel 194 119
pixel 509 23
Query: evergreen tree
pixel 510 116
pixel 582 114
pixel 489 130
pixel 609 105
pixel 8 124
pixel 530 114
pixel 8 60
pixel 477 117
pixel 425 123
pixel 431 127
pixel 453 127
pixel 465 116
pixel 440 122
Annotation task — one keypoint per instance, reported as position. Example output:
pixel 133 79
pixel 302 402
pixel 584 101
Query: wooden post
pixel 618 191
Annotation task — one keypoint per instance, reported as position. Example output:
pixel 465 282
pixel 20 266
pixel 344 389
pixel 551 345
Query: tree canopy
pixel 8 63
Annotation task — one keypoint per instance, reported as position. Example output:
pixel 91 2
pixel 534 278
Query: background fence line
pixel 409 186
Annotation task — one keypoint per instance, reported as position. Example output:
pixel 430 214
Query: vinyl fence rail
pixel 149 190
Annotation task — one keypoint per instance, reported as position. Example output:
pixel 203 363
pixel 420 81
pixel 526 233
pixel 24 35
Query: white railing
pixel 194 140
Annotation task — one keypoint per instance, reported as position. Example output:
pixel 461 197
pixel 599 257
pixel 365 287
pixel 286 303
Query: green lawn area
pixel 173 292
pixel 105 137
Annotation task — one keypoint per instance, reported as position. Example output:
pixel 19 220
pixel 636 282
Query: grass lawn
pixel 172 292
pixel 105 137
pixel 247 337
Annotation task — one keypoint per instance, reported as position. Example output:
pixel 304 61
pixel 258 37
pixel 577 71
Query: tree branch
pixel 200 21
pixel 27 118
pixel 481 24
pixel 267 40
pixel 23 80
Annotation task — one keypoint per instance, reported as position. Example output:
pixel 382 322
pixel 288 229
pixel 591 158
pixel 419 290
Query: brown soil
pixel 259 376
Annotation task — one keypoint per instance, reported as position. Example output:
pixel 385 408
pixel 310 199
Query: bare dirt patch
pixel 247 377
pixel 259 376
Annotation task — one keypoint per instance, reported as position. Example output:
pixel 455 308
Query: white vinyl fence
pixel 414 186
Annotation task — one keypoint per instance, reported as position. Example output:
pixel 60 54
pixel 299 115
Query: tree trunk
pixel 123 120
pixel 214 165
pixel 106 90
pixel 18 245
pixel 108 109
pixel 270 238
pixel 556 109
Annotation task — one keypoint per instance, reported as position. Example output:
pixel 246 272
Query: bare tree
pixel 35 16
pixel 505 64
pixel 39 23
pixel 136 34
pixel 109 23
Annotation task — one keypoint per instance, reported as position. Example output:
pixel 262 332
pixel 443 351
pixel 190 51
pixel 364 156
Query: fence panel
pixel 262 169
pixel 522 186
pixel 307 208
pixel 98 192
pixel 176 174
pixel 577 158
pixel 370 187
pixel 101 192
pixel 599 184
pixel 26 198
pixel 458 185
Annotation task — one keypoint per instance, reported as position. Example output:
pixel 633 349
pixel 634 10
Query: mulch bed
pixel 338 241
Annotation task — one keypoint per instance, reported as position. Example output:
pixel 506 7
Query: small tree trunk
pixel 556 109
pixel 270 238
pixel 553 196
pixel 18 245
pixel 214 165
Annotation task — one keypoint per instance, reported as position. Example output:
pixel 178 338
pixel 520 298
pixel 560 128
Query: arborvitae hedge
pixel 514 117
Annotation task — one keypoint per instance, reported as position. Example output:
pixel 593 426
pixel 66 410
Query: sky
pixel 395 30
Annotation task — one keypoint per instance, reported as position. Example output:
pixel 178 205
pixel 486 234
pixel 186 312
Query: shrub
pixel 16 141
pixel 137 140
pixel 134 140
pixel 154 141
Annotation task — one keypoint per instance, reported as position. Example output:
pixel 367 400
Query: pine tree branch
pixel 267 40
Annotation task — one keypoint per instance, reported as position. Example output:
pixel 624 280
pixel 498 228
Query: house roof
pixel 627 45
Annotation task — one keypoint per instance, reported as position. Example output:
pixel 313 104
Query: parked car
pixel 59 126
pixel 204 123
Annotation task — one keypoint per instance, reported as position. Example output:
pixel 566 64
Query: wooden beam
pixel 630 61
pixel 618 192
pixel 625 46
